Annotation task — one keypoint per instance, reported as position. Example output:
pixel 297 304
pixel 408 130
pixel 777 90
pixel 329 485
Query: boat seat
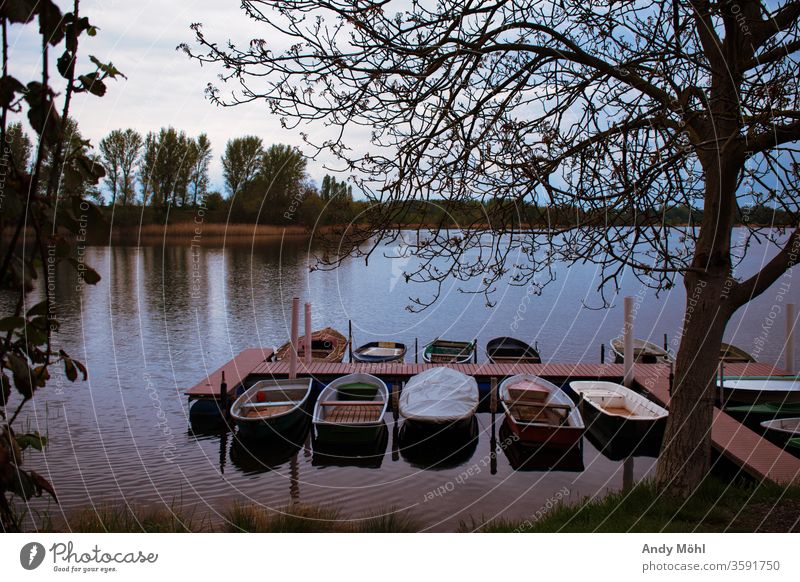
pixel 256 405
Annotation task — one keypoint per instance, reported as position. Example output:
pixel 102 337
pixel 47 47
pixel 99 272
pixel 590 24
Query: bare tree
pixel 617 110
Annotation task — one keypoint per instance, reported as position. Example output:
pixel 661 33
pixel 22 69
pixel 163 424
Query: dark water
pixel 162 317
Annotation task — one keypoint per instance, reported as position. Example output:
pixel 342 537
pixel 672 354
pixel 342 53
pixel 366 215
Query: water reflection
pixel 436 447
pixel 522 457
pixel 366 455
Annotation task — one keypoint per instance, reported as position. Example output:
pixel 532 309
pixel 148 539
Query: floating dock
pixel 755 455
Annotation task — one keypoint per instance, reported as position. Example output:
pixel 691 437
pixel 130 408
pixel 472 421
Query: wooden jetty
pixel 755 455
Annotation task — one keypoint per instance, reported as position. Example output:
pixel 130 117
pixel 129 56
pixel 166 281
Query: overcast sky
pixel 163 87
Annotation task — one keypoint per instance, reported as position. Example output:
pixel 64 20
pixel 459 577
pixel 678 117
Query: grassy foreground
pixel 714 507
pixel 239 518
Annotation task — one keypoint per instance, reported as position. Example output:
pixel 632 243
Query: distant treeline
pixel 163 177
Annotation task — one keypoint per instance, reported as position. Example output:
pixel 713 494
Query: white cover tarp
pixel 439 395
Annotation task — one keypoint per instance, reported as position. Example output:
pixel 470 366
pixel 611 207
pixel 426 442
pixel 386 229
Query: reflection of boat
pixel 271 406
pixel 731 354
pixel 441 351
pixel 781 430
pixel 380 352
pixel 508 349
pixel 759 390
pixel 328 453
pixel 644 352
pixel 439 396
pixel 540 412
pixel 206 414
pixel 615 413
pixel 327 345
pixel 793 444
pixel 270 453
pixel 351 409
pixel 438 446
pixel 539 458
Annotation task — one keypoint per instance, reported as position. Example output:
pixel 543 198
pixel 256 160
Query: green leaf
pixel 43 484
pixel 11 323
pixel 32 439
pixel 5 389
pixel 50 22
pixel 9 87
pixel 18 11
pixel 69 370
pixel 38 309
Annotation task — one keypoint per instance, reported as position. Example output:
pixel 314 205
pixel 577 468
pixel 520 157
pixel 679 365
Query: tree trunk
pixel 686 453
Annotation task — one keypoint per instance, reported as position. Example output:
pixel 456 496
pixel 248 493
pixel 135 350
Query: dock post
pixel 475 353
pixel 666 343
pixel 628 336
pixel 294 338
pixel 307 347
pixel 223 396
pixel 788 359
pixel 602 353
pixel 350 339
pixel 416 350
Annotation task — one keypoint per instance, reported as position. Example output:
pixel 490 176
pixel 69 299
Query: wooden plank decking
pixel 235 371
pixel 757 456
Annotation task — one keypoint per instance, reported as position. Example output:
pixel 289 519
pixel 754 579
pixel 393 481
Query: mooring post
pixel 666 343
pixel 307 346
pixel 475 351
pixel 628 335
pixel 603 353
pixel 294 339
pixel 416 350
pixel 789 362
pixel 350 339
pixel 493 395
pixel 223 396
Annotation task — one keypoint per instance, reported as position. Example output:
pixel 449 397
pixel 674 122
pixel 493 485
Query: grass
pixel 714 507
pixel 239 518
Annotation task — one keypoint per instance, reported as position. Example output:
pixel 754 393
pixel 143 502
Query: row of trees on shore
pixel 168 168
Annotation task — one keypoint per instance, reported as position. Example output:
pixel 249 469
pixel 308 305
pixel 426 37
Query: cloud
pixel 164 87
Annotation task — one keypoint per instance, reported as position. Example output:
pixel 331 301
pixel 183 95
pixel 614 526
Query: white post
pixel 308 335
pixel 294 340
pixel 790 326
pixel 628 337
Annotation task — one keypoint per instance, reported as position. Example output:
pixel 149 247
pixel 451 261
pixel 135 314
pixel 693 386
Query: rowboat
pixel 441 351
pixel 509 349
pixel 613 412
pixel 644 352
pixel 539 412
pixel 731 354
pixel 759 390
pixel 270 407
pixel 438 446
pixel 793 444
pixel 368 455
pixel 351 409
pixel 439 396
pixel 327 345
pixel 524 457
pixel 781 429
pixel 380 352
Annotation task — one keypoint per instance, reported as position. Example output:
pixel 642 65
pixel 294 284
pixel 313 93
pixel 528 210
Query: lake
pixel 164 316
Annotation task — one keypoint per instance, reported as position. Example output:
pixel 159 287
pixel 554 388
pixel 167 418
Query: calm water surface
pixel 163 317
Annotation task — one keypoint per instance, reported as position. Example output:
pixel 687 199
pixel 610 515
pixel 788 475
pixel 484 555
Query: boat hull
pixel 639 437
pixel 747 391
pixel 264 428
pixel 349 434
pixel 561 436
